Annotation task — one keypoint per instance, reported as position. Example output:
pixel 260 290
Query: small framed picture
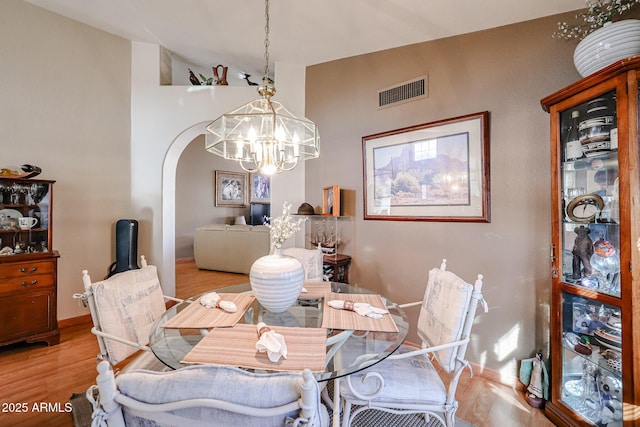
pixel 331 201
pixel 260 188
pixel 231 189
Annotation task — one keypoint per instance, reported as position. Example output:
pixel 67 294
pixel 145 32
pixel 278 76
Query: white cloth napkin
pixel 362 308
pixel 212 299
pixel 270 342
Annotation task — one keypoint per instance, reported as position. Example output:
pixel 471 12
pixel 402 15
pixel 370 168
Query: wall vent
pixel 410 90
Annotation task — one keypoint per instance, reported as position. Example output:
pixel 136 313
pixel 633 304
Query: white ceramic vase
pixel 276 281
pixel 606 45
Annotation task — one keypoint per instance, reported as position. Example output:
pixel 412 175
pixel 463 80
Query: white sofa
pixel 231 248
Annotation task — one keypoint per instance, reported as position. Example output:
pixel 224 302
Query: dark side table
pixel 337 265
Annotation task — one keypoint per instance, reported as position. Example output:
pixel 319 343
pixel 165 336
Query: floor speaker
pixel 126 247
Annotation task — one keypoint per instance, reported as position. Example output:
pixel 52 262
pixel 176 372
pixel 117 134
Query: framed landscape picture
pixel 231 189
pixel 435 171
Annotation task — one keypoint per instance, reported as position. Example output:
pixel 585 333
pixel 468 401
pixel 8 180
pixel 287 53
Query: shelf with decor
pixel 328 233
pixel 595 261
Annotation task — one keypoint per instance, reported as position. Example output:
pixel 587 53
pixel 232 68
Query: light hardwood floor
pixel 37 381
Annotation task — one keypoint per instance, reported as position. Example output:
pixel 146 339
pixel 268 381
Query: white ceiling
pixel 303 32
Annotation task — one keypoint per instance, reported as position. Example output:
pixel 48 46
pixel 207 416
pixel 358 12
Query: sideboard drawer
pixel 12 284
pixel 26 269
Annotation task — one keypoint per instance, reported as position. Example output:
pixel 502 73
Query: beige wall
pixel 65 106
pixel 505 71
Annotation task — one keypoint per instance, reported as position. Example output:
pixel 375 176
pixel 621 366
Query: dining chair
pixel 206 395
pixel 123 307
pixel 407 381
pixel 312 261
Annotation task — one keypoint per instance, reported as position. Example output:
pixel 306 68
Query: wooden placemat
pixel 315 290
pixel 350 320
pixel 306 348
pixel 198 316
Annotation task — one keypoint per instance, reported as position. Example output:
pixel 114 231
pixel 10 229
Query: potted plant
pixel 604 37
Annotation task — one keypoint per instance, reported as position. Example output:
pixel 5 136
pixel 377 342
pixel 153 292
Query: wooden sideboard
pixel 28 265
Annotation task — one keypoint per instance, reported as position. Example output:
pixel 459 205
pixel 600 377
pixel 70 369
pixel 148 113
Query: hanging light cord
pixel 266 41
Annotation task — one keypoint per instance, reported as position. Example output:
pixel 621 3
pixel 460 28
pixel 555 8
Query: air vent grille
pixel 411 90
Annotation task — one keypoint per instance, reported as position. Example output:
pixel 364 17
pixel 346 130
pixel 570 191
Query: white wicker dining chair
pixel 407 382
pixel 206 395
pixel 312 261
pixel 123 307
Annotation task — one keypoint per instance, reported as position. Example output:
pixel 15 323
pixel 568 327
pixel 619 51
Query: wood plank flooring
pixel 37 381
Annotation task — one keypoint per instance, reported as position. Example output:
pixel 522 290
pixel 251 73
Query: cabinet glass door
pixel 591 359
pixel 25 206
pixel 590 229
pixel 591 356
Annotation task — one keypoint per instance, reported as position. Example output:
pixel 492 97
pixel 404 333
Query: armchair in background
pixel 312 261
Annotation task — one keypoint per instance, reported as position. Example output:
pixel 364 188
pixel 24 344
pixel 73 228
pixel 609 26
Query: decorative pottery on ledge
pixel 606 45
pixel 276 281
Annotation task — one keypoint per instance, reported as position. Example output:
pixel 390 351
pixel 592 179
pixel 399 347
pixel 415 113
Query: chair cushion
pixel 413 380
pixel 215 382
pixel 127 304
pixel 311 260
pixel 443 313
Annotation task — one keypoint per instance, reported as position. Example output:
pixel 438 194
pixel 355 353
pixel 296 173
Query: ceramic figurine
pixel 220 80
pixel 582 251
pixel 193 79
pixel 533 373
pixel 246 76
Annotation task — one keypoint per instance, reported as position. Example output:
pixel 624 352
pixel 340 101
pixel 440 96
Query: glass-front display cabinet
pixel 595 321
pixel 25 210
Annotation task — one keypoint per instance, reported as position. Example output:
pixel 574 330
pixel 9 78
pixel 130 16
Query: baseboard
pixel 74 321
pixel 497 377
pixel 185 260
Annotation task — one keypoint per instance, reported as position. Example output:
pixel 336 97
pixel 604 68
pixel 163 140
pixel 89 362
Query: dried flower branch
pixel 283 227
pixel 598 13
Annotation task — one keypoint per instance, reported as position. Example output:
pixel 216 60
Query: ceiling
pixel 304 32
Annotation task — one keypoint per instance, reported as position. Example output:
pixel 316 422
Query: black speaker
pixel 126 247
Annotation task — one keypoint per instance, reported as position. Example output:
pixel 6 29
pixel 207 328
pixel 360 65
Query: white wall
pixel 164 121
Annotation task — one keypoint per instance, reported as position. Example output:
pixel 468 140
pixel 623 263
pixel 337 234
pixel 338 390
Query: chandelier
pixel 263 135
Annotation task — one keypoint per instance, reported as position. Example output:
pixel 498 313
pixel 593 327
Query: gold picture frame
pixel 231 189
pixel 331 200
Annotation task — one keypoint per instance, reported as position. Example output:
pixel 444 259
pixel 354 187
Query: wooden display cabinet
pixel 28 265
pixel 595 263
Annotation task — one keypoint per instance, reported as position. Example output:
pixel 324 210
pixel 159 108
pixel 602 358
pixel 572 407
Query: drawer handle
pixel 25 284
pixel 33 270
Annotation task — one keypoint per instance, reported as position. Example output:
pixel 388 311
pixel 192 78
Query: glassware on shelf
pixel 324 233
pixel 591 380
pixel 573 147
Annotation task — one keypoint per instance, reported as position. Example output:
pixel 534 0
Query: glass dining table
pixel 347 350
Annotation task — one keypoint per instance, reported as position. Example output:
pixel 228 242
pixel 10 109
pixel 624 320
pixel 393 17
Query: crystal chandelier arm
pixel 244 168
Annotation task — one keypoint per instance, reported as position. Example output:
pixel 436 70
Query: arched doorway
pixel 169 168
